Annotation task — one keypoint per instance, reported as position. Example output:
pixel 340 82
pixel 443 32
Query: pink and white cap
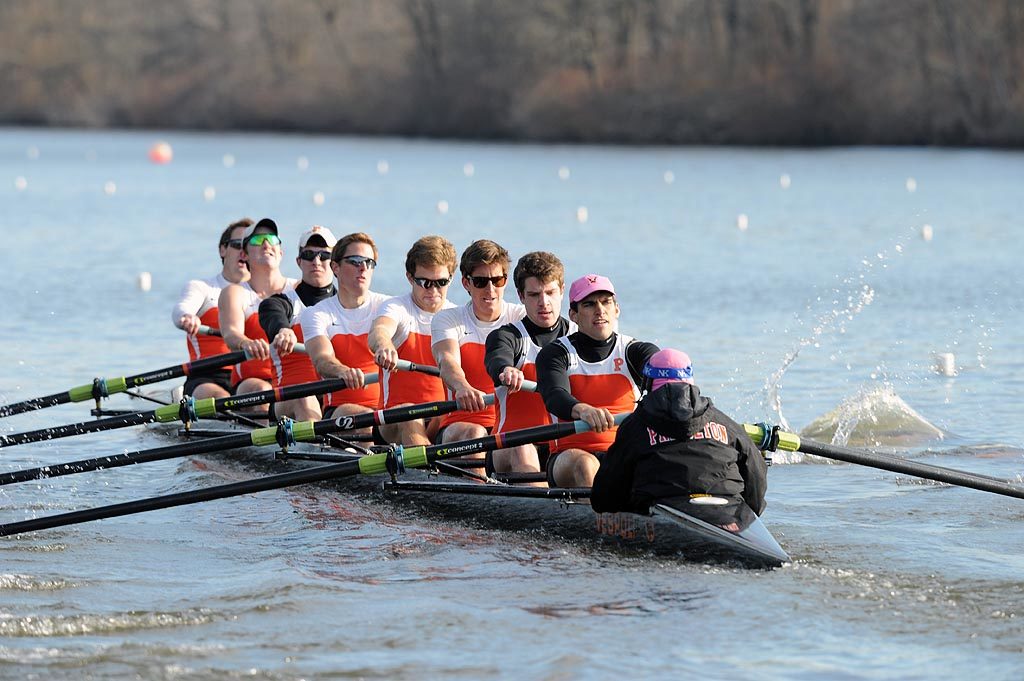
pixel 317 230
pixel 668 366
pixel 587 284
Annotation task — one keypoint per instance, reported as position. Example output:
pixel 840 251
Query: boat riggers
pixel 790 442
pixel 290 432
pixel 190 410
pixel 104 387
pixel 368 465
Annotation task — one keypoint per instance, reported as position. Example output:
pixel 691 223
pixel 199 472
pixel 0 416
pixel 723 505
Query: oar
pixel 791 442
pixel 284 434
pixel 191 410
pixel 101 387
pixel 373 464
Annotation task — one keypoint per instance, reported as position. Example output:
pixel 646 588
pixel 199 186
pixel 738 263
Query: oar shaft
pixel 183 498
pixel 94 426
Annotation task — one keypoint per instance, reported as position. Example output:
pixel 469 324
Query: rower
pixel 677 444
pixel 198 306
pixel 239 306
pixel 512 352
pixel 336 328
pixel 402 331
pixel 279 317
pixel 590 375
pixel 458 336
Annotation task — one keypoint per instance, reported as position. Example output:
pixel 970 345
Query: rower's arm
pixel 185 313
pixel 381 341
pixel 275 314
pixel 500 352
pixel 449 361
pixel 553 381
pixel 231 314
pixel 321 352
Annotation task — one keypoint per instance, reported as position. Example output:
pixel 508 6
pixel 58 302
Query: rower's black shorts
pixel 221 377
pixel 550 468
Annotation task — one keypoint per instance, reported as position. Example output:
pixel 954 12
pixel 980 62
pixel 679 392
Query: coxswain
pixel 511 355
pixel 239 306
pixel 458 336
pixel 677 446
pixel 279 317
pixel 198 306
pixel 402 331
pixel 590 375
pixel 336 328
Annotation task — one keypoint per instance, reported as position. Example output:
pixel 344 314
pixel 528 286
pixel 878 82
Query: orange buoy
pixel 161 152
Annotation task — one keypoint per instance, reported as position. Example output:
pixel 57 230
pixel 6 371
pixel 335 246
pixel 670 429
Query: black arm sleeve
pixel 503 347
pixel 753 469
pixel 553 380
pixel 637 354
pixel 275 314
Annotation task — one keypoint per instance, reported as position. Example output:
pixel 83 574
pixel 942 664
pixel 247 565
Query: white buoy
pixel 742 222
pixel 669 177
pixel 109 188
pixel 209 193
pixel 383 167
pixel 468 170
pixel 228 160
pixel 302 163
pixel 945 364
pixel 32 153
pixel 563 173
pixel 442 207
pixel 20 183
pixel 926 232
pixel 582 214
pixel 318 198
pixel 785 181
pixel 145 281
pixel 911 185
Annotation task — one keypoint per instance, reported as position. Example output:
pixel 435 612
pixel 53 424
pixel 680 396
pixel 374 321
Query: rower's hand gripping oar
pixel 101 387
pixel 284 434
pixel 771 439
pixel 190 410
pixel 374 464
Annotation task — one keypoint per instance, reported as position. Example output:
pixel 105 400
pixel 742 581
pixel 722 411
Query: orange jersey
pixel 459 323
pixel 412 340
pixel 347 330
pixel 296 367
pixel 255 368
pixel 199 297
pixel 606 384
pixel 522 409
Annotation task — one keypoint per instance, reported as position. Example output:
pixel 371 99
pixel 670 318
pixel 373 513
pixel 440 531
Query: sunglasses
pixel 311 255
pixel 260 239
pixel 359 261
pixel 432 283
pixel 482 282
pixel 233 243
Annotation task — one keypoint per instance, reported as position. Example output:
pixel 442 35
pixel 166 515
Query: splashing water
pixel 875 416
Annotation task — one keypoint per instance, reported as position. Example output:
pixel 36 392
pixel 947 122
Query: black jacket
pixel 675 444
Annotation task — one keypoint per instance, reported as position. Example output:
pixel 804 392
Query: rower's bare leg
pixel 352 410
pixel 409 433
pixel 521 459
pixel 254 385
pixel 463 430
pixel 205 391
pixel 301 409
pixel 575 468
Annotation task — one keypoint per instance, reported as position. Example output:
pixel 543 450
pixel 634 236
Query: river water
pixel 800 281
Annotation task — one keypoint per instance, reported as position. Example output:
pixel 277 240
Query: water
pixel 830 297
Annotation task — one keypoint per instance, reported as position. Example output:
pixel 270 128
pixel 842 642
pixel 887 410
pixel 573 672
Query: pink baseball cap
pixel 587 284
pixel 668 366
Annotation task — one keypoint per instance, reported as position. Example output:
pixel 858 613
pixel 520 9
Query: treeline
pixel 802 72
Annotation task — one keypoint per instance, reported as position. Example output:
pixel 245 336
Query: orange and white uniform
pixel 255 368
pixel 412 340
pixel 460 324
pixel 607 384
pixel 295 367
pixel 523 409
pixel 199 297
pixel 347 330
